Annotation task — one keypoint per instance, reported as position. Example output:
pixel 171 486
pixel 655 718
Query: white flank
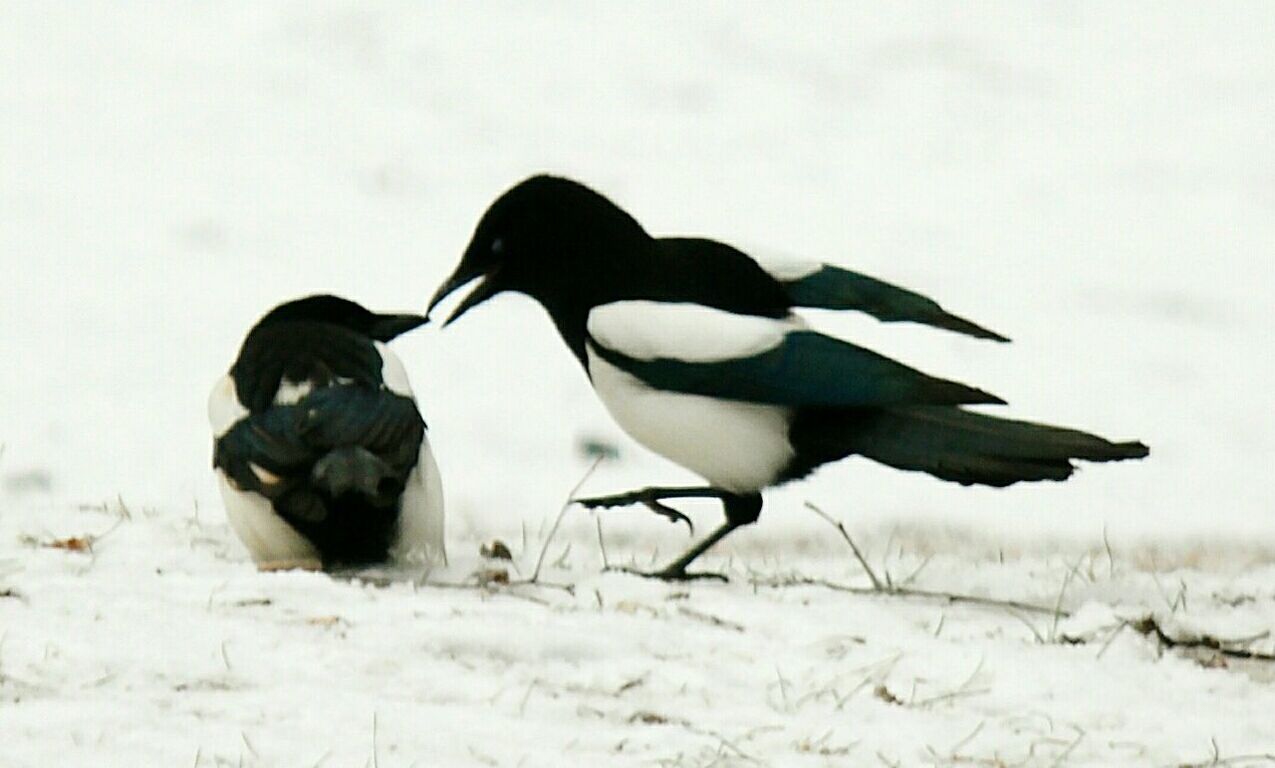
pixel 420 525
pixel 268 538
pixel 735 446
pixel 393 373
pixel 653 330
pixel 224 408
pixel 420 538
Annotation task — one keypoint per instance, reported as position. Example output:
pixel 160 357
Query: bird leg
pixel 652 499
pixel 740 510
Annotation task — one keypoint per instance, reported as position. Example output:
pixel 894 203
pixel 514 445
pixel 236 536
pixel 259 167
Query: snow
pixel 160 646
pixel 1091 179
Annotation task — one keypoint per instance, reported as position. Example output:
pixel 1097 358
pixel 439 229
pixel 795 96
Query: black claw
pixel 648 500
pixel 673 515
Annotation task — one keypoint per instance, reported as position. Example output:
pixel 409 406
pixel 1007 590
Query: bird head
pixel 545 236
pixel 325 308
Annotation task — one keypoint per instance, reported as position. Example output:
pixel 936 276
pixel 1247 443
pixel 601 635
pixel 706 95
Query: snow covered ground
pixel 1097 181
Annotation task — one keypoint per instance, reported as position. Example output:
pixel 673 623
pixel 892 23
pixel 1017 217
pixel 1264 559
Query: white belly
pixel 735 446
pixel 269 539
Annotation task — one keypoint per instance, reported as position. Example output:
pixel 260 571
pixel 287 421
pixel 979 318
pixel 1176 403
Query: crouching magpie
pixel 319 449
pixel 694 349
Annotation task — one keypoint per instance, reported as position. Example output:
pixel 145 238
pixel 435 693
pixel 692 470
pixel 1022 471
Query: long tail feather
pixel 952 443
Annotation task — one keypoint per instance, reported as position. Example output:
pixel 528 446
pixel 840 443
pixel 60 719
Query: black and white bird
pixel 694 349
pixel 320 451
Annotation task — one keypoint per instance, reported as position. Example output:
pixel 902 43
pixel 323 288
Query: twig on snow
pixel 602 547
pixel 965 741
pixel 1112 638
pixel 709 618
pixel 1216 759
pixel 1062 594
pixel 1111 558
pixel 872 576
pixel 1149 626
pixel 544 549
pixel 922 594
pixel 889 587
pixel 964 689
pixel 1066 753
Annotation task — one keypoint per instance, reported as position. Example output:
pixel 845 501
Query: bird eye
pixel 498 246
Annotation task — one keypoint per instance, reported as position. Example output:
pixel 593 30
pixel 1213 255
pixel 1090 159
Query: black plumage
pixel 612 289
pixel 323 436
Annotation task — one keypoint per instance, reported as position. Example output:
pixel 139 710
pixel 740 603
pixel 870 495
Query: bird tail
pixel 354 469
pixel 954 444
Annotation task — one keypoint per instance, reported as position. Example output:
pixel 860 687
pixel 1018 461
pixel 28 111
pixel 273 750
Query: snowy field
pixel 1097 181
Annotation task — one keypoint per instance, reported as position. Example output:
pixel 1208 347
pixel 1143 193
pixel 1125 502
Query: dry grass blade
pixel 872 576
pixel 544 548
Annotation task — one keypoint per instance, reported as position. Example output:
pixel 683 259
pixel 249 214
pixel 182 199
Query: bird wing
pixel 823 286
pixel 273 452
pixel 316 354
pixel 697 350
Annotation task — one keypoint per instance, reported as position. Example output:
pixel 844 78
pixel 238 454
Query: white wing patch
pixel 787 268
pixel 264 475
pixel 393 373
pixel 224 408
pixel 652 330
pixel 292 392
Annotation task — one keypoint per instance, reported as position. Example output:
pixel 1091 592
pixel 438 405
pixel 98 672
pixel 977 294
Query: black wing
pixel 336 440
pixel 302 351
pixel 804 369
pixel 832 287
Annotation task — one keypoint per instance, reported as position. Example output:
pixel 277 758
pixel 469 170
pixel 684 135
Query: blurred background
pixel 1096 182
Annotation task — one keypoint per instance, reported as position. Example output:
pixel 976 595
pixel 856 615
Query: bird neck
pixel 571 319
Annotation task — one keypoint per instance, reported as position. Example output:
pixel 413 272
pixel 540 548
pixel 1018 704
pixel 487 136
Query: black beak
pixel 387 327
pixel 483 291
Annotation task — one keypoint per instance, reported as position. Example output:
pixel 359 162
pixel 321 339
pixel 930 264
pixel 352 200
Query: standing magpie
pixel 319 449
pixel 694 349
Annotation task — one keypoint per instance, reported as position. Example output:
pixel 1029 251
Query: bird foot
pixel 649 500
pixel 671 574
pixel 616 500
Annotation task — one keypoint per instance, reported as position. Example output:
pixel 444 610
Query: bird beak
pixel 387 327
pixel 485 289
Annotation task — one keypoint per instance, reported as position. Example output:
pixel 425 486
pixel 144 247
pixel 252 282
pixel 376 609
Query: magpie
pixel 320 451
pixel 695 350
